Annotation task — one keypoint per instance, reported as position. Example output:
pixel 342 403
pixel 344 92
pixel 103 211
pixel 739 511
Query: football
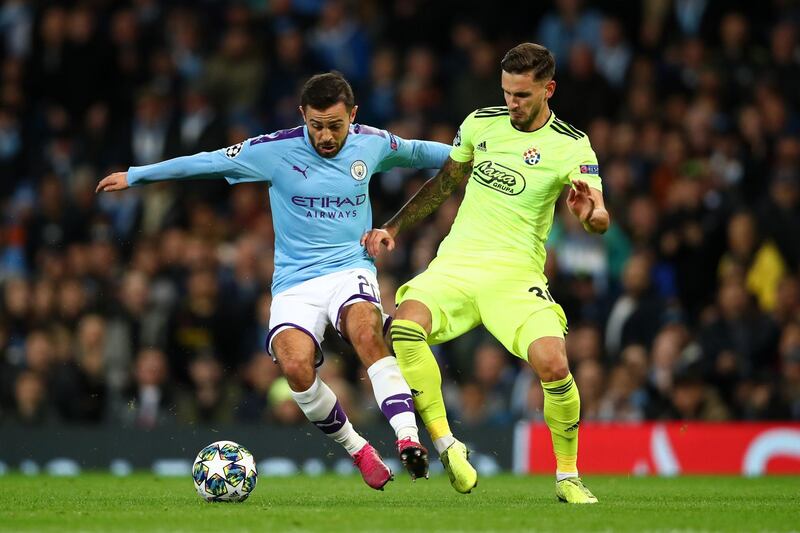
pixel 224 472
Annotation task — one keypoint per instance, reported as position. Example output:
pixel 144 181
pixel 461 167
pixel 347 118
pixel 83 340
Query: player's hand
pixel 117 181
pixel 580 201
pixel 374 238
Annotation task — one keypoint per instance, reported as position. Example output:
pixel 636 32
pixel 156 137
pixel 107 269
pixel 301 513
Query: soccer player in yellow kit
pixel 490 269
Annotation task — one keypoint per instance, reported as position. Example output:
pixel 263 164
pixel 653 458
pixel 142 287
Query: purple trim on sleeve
pixel 365 297
pixel 320 356
pixel 387 324
pixel 335 420
pixel 367 130
pixel 279 135
pixel 394 405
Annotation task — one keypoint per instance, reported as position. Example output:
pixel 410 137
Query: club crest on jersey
pixel 358 170
pixel 233 151
pixel 531 156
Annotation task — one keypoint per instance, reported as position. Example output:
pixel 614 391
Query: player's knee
pixel 367 338
pixel 552 366
pixel 415 312
pixel 548 357
pixel 554 370
pixel 299 373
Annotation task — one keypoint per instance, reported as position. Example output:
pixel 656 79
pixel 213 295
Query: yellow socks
pixel 421 371
pixel 562 404
pixel 562 409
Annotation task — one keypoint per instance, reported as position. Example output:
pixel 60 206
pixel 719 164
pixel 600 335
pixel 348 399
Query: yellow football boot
pixel 463 476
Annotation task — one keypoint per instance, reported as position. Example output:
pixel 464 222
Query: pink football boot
pixel 375 473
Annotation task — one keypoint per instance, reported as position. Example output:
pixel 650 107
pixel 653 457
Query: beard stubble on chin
pixel 320 150
pixel 525 124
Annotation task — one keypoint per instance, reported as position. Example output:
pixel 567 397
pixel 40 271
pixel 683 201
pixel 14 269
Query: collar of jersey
pixel 549 120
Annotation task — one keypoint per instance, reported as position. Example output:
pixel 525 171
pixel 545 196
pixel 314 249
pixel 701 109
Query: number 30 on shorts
pixel 544 294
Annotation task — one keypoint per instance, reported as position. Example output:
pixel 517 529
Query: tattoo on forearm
pixel 431 195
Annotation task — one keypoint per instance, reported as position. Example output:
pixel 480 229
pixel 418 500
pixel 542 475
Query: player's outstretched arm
pixel 587 205
pixel 236 164
pixel 424 202
pixel 117 181
pixel 423 154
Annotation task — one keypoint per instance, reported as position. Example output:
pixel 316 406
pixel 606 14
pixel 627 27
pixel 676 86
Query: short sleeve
pixel 582 165
pixel 462 150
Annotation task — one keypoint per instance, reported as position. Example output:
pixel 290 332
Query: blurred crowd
pixel 151 306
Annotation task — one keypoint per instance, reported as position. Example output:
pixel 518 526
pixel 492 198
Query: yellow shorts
pixel 513 304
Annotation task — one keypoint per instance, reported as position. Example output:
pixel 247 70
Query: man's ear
pixel 549 89
pixel 353 114
pixel 302 113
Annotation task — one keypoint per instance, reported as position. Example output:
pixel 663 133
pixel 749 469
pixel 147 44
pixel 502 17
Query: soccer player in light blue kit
pixel 318 176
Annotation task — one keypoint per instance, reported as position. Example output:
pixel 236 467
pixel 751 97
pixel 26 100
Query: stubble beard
pixel 525 124
pixel 328 155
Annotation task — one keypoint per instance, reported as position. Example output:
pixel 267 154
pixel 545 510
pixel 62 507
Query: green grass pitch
pixel 143 502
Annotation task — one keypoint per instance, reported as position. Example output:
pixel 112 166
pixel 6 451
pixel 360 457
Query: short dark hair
pixel 324 90
pixel 530 57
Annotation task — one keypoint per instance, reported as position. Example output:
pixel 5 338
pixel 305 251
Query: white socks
pixel 442 443
pixel 394 397
pixel 321 407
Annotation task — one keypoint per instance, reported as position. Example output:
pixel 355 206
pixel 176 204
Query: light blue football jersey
pixel 320 206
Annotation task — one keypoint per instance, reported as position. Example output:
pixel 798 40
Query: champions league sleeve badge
pixel 233 151
pixel 358 170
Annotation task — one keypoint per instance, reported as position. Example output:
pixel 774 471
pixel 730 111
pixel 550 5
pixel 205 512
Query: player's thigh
pixel 448 293
pixel 355 303
pixel 518 311
pixel 362 326
pixel 298 309
pixel 360 321
pixel 295 352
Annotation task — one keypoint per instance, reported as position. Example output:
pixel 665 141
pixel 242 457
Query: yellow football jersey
pixel 516 179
